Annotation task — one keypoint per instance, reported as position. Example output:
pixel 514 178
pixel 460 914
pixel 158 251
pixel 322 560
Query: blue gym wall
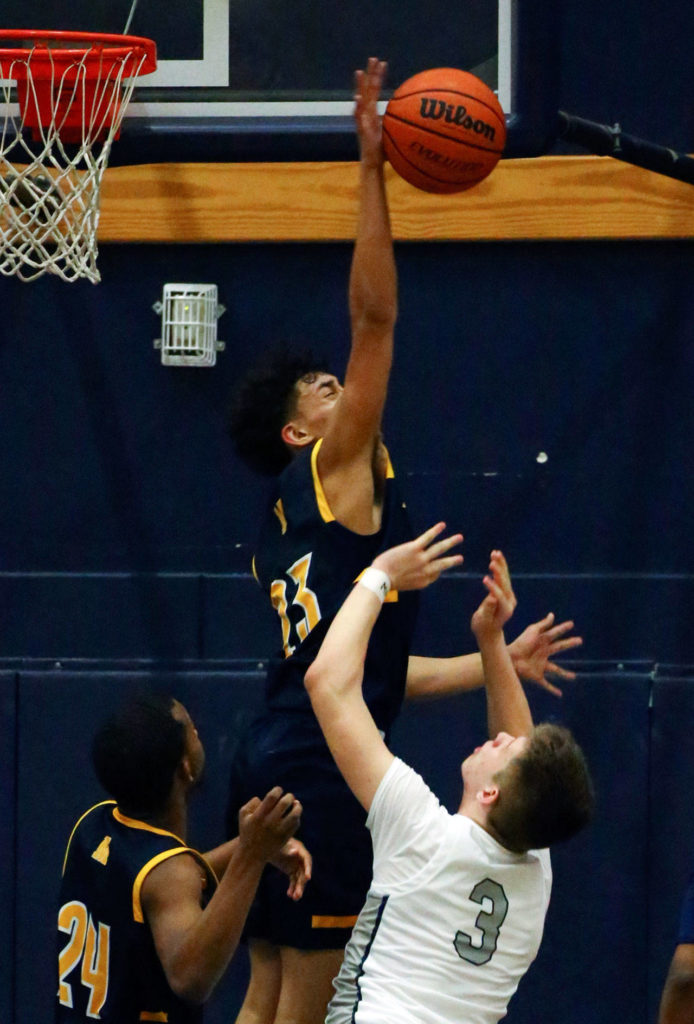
pixel 127 526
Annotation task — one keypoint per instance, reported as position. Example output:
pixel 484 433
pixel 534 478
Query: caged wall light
pixel 189 314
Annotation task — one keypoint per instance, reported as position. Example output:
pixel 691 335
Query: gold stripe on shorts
pixel 326 921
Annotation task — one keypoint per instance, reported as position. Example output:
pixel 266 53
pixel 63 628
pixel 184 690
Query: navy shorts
pixel 288 750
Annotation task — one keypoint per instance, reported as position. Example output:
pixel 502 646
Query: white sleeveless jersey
pixel 452 920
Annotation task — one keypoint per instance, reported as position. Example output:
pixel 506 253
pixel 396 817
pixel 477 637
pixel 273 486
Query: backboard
pixel 270 80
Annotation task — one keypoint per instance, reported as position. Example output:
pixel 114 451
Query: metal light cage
pixel 189 314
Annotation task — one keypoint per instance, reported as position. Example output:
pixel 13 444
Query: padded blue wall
pixel 8 810
pixel 125 504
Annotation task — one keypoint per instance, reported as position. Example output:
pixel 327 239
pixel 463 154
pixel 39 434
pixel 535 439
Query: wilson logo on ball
pixel 437 109
pixel 444 130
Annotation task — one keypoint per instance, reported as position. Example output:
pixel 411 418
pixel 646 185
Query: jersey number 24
pixel 88 945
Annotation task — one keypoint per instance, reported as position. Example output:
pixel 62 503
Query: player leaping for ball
pixel 456 908
pixel 335 504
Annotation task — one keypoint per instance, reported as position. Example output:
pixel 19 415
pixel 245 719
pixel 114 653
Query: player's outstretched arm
pixel 507 705
pixel 372 295
pixel 532 654
pixel 334 679
pixel 196 945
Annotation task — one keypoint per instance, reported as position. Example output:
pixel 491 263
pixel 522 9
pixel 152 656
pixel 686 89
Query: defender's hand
pixel 266 825
pixel 532 649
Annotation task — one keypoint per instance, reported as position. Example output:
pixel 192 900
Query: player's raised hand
pixel 266 825
pixel 499 604
pixel 367 90
pixel 416 564
pixel 532 650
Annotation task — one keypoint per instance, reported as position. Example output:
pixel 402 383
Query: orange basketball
pixel 443 130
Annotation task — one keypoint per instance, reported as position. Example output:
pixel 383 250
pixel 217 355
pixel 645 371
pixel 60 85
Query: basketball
pixel 443 130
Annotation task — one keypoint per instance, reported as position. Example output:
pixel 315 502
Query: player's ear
pixel 489 795
pixel 295 436
pixel 185 771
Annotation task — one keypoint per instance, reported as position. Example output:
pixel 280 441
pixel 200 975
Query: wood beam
pixel 556 197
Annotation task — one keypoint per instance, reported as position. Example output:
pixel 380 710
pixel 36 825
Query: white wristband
pixel 377 581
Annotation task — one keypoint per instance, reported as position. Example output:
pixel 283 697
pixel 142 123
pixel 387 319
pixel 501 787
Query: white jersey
pixel 452 920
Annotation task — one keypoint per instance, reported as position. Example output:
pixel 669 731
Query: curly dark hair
pixel 545 794
pixel 135 753
pixel 262 403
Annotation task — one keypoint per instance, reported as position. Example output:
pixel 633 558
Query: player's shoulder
pixel 403 789
pixel 93 818
pixel 180 876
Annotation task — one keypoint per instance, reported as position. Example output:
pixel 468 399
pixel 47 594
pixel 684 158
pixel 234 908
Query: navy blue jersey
pixel 108 967
pixel 307 563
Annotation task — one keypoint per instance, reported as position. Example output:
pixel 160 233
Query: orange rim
pixel 67 47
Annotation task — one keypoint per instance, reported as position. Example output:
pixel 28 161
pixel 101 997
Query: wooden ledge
pixel 561 197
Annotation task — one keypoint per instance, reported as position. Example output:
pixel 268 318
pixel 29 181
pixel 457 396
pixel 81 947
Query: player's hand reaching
pixel 532 649
pixel 367 90
pixel 416 564
pixel 296 862
pixel 500 602
pixel 266 825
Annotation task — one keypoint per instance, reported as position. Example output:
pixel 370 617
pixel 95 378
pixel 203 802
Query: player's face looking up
pixel 194 750
pixel 316 401
pixel 491 758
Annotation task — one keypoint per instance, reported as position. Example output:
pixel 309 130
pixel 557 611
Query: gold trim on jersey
pixel 137 823
pixel 328 921
pixel 160 1016
pixel 77 825
pixel 279 512
pixel 138 914
pixel 321 500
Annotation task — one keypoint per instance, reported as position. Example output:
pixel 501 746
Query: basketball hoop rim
pixel 33 41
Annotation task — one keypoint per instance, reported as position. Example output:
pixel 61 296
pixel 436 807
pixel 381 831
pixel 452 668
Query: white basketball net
pixel 50 187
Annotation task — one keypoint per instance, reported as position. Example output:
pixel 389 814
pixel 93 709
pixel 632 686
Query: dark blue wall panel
pixel 238 620
pixel 621 618
pixel 99 616
pixel 579 351
pixel 8 774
